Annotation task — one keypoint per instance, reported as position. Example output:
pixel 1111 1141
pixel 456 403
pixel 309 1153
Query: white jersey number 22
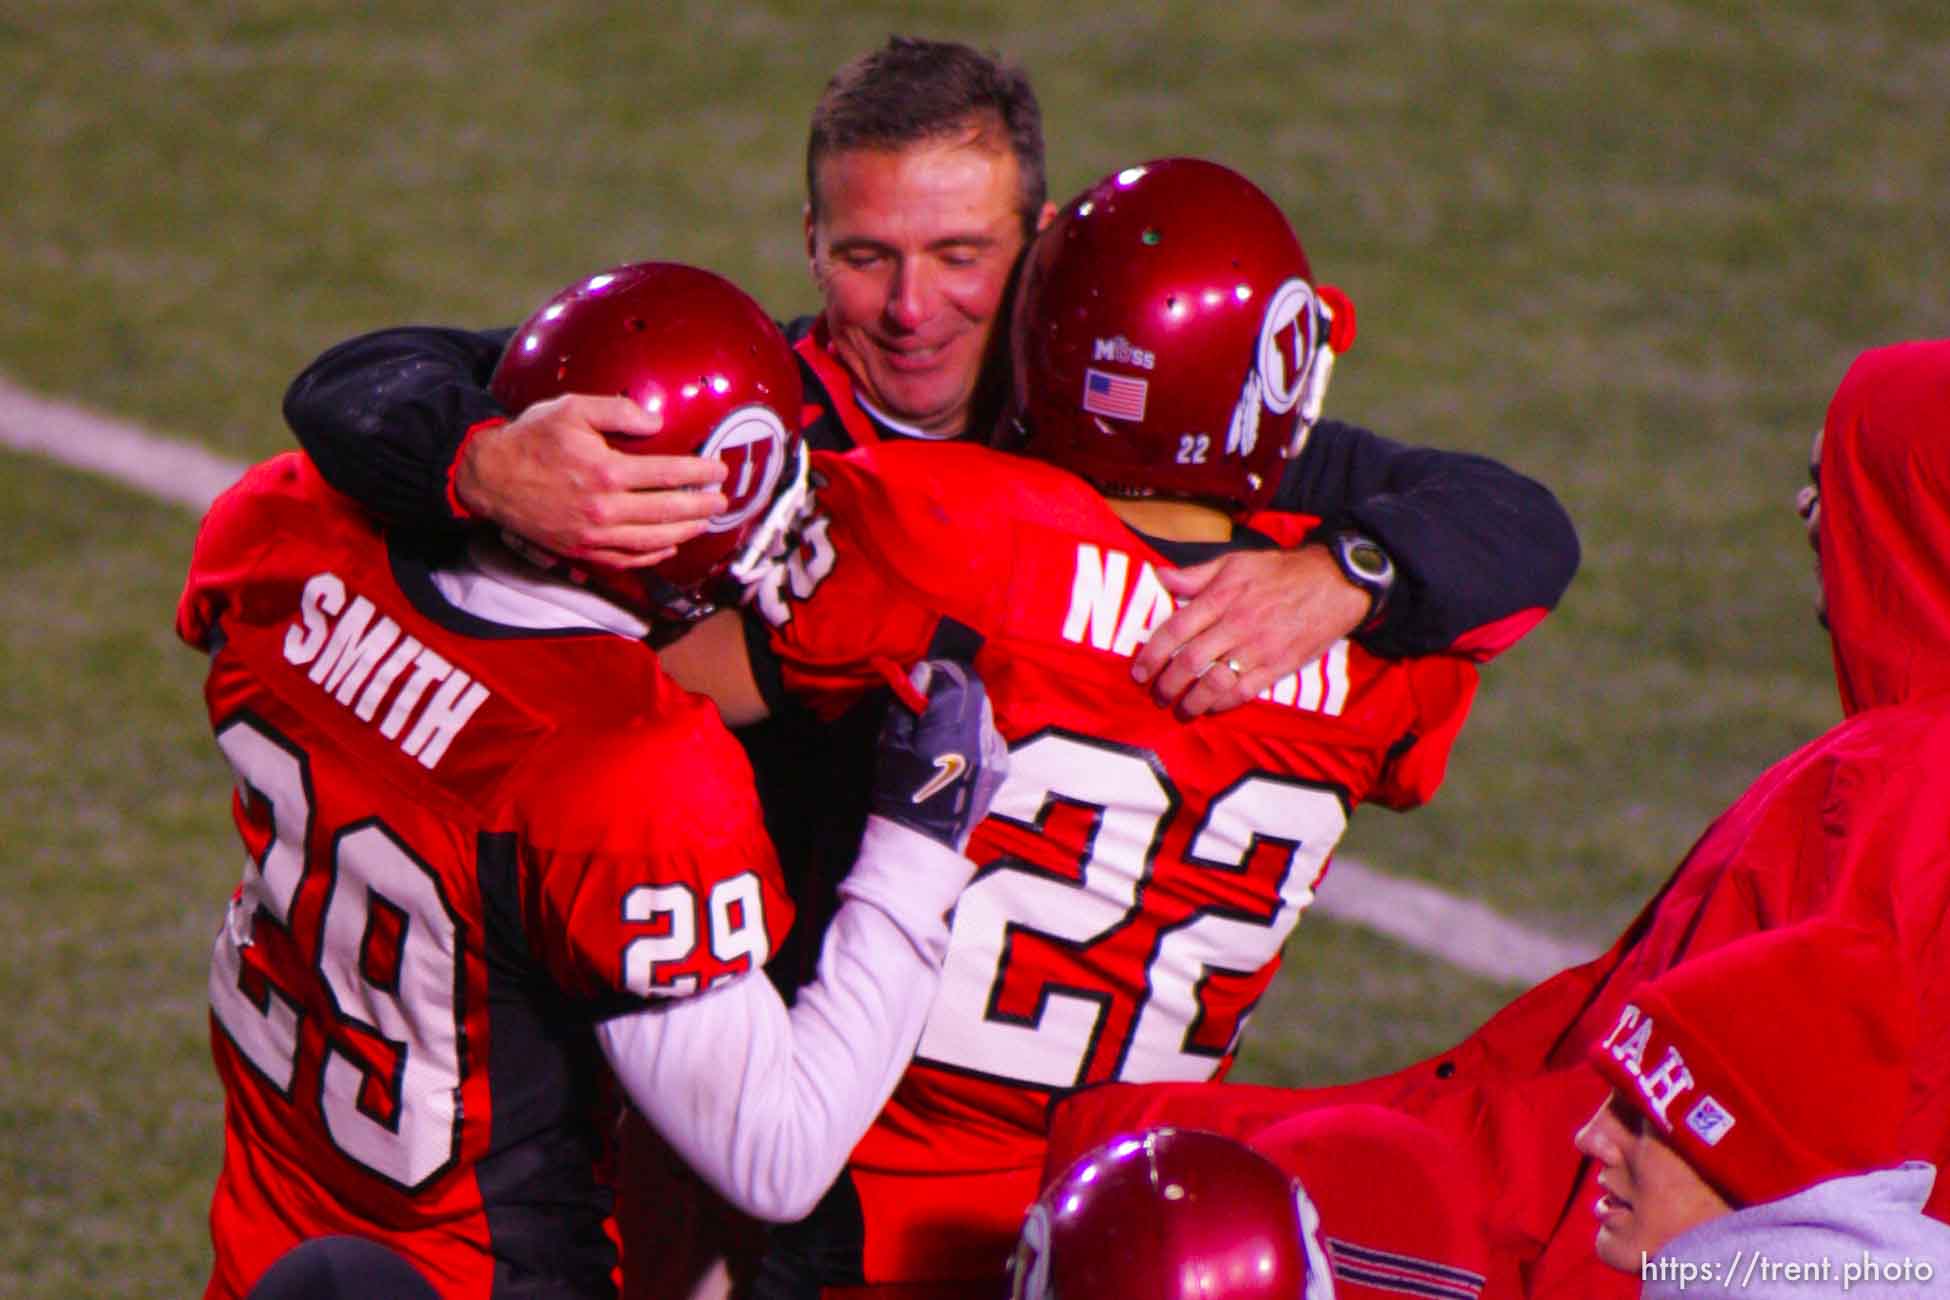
pixel 1133 800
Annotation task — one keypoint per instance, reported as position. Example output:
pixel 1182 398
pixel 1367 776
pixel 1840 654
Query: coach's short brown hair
pixel 912 89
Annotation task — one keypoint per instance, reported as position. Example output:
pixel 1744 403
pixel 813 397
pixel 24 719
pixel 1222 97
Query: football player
pixel 1140 871
pixel 1854 825
pixel 499 863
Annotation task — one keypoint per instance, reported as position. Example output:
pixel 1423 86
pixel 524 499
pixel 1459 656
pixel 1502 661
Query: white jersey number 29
pixel 377 887
pixel 1134 802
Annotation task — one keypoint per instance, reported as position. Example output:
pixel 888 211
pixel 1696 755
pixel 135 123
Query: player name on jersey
pixel 362 663
pixel 1111 611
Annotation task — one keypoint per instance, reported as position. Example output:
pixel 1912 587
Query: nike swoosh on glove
pixel 939 769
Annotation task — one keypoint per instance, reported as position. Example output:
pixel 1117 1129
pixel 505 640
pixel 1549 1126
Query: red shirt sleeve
pixel 1442 688
pixel 648 871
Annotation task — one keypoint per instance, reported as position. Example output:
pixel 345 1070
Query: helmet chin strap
pixel 643 593
pixel 544 559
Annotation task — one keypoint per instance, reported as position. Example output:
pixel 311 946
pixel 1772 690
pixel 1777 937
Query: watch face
pixel 1368 559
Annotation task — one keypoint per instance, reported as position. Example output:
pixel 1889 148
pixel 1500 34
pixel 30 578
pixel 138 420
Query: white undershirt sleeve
pixel 766 1104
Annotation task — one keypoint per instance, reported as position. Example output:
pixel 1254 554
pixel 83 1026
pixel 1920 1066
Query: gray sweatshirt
pixel 1864 1235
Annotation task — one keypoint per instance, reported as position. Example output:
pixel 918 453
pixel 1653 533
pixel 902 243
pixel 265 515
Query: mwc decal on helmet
pixel 1119 349
pixel 1277 380
pixel 751 442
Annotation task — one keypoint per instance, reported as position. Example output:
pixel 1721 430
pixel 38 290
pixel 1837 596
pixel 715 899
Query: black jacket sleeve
pixel 383 416
pixel 1474 543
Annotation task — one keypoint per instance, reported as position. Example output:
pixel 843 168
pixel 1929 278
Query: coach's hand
pixel 939 769
pixel 1248 619
pixel 551 476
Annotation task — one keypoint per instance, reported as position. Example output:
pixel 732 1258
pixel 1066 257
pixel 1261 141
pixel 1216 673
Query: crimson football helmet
pixel 690 346
pixel 1171 1214
pixel 1168 336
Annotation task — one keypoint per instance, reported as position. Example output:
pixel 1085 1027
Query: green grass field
pixel 1628 248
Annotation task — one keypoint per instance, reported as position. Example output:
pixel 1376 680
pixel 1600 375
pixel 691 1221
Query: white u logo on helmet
pixel 751 442
pixel 1292 306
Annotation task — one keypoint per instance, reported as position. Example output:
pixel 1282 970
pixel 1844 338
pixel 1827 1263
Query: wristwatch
pixel 1365 564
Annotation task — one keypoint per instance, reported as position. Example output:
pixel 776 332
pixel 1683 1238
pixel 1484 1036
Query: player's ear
pixel 1047 215
pixel 812 238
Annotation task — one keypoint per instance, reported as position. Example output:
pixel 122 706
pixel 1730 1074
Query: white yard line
pixel 163 467
pixel 1460 931
pixel 1421 916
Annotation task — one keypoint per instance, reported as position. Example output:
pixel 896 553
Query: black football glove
pixel 939 770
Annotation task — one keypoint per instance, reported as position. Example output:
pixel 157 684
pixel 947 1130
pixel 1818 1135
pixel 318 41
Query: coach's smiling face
pixel 1651 1194
pixel 912 249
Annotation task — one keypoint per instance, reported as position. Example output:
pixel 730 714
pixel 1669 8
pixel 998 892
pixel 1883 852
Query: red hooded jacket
pixel 1855 823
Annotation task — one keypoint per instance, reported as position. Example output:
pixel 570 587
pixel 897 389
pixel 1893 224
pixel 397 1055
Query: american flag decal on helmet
pixel 1388 1270
pixel 1115 397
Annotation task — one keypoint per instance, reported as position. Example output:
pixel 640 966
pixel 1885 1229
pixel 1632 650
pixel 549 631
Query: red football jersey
pixel 1139 874
pixel 467 842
